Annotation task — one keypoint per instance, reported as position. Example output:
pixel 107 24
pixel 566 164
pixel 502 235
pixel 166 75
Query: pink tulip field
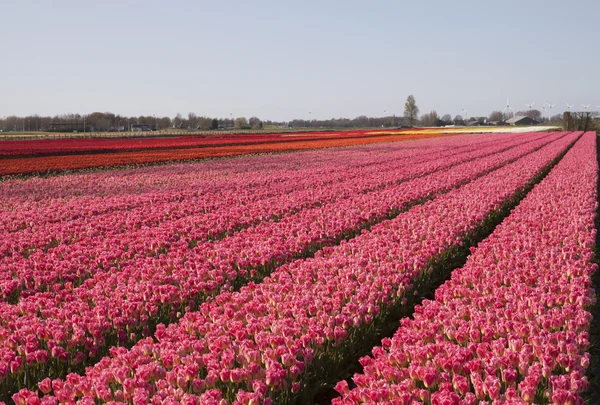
pixel 510 326
pixel 266 279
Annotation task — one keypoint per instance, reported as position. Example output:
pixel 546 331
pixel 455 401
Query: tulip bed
pixel 53 163
pixel 141 232
pixel 66 197
pixel 212 189
pixel 51 333
pixel 512 325
pixel 144 186
pixel 36 202
pixel 40 147
pixel 275 338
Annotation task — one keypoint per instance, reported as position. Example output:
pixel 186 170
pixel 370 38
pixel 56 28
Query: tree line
pixel 107 121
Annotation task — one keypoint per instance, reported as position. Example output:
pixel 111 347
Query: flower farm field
pixel 295 278
pixel 99 145
pixel 41 156
pixel 51 155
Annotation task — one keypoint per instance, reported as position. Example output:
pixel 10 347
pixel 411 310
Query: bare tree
pixel 178 121
pixel 411 111
pixel 496 116
pixel 556 119
pixel 533 113
pixel 102 124
pixel 255 123
pixel 241 123
pixel 164 122
pixel 192 121
pixel 430 119
pixel 203 123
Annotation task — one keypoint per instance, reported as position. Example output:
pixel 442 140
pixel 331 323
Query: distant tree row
pixel 106 121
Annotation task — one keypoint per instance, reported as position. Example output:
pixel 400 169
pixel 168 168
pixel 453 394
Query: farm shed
pixel 522 120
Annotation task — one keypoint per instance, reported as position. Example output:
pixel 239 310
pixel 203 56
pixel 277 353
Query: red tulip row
pixel 91 145
pixel 115 307
pixel 267 339
pixel 53 163
pixel 112 240
pixel 511 326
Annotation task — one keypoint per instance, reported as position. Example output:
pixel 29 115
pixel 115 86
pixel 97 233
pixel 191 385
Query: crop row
pixel 65 197
pixel 273 338
pixel 209 195
pixel 511 326
pixel 96 145
pixel 42 164
pixel 84 248
pixel 82 196
pixel 113 308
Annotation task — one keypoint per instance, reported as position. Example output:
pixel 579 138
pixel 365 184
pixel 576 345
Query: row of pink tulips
pixel 222 191
pixel 207 188
pixel 206 191
pixel 113 308
pixel 132 235
pixel 265 340
pixel 65 197
pixel 511 326
pixel 121 189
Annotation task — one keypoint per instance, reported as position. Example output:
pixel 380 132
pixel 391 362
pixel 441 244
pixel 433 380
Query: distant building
pixel 141 127
pixel 68 127
pixel 522 120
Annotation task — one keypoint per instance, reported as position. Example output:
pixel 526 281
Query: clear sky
pixel 281 59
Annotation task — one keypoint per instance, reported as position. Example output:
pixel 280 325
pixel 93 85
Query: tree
pixel 255 123
pixel 458 120
pixel 192 121
pixel 214 124
pixel 556 119
pixel 102 124
pixel 164 122
pixel 241 123
pixel 447 118
pixel 497 116
pixel 535 114
pixel 203 123
pixel 177 121
pixel 430 119
pixel 411 111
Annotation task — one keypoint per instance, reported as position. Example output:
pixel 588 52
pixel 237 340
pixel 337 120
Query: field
pixel 44 156
pixel 443 269
pixel 54 155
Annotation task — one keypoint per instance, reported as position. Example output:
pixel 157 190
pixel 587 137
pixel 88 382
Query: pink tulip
pixel 517 307
pixel 300 313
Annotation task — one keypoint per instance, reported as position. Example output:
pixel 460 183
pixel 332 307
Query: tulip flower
pixel 509 308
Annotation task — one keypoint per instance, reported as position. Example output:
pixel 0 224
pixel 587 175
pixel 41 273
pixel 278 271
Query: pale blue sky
pixel 281 59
